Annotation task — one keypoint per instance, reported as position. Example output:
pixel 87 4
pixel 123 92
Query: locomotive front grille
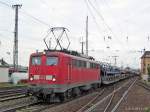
pixel 43 77
pixel 49 77
pixel 36 77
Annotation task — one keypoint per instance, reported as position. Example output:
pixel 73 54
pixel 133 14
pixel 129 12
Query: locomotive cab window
pixel 36 60
pixel 52 61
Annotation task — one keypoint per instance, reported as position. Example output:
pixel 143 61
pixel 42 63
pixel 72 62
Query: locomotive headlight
pixel 31 78
pixel 54 79
pixel 44 52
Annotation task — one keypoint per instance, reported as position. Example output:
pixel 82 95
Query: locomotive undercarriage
pixel 50 95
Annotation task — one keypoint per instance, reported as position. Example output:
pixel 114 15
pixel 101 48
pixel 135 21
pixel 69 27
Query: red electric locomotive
pixel 58 74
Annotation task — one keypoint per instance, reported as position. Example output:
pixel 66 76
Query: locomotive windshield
pixel 52 61
pixel 36 60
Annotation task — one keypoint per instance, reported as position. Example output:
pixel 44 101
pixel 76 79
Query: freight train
pixel 61 74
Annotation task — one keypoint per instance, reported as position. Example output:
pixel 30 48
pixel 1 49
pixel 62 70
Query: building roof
pixel 146 54
pixel 3 63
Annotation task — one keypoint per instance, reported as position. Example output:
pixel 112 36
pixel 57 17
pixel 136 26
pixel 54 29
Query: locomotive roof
pixel 76 56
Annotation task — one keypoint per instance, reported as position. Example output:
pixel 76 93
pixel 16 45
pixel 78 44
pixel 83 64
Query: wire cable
pixel 36 19
pixel 3 3
pixel 102 18
pixel 94 18
pixel 27 14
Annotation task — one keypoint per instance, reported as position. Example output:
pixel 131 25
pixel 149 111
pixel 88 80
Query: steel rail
pixel 105 98
pixel 13 109
pixel 39 108
pixel 123 96
pixel 144 85
pixel 90 102
pixel 10 95
pixel 2 92
pixel 109 103
pixel 12 98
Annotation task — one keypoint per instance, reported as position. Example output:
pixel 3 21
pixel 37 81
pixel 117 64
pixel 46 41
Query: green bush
pixel 148 69
pixel 147 110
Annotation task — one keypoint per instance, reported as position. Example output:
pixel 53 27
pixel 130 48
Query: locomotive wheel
pixel 62 97
pixel 68 93
pixel 76 92
pixel 94 86
pixel 99 85
pixel 28 94
pixel 48 98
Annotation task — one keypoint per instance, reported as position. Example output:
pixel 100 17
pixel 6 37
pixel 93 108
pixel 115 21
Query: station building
pixel 145 62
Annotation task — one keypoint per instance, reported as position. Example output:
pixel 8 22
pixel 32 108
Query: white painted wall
pixel 17 76
pixel 4 74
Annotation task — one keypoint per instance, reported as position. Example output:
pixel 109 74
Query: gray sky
pixel 115 18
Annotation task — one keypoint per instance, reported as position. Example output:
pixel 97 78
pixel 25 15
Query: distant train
pixel 55 74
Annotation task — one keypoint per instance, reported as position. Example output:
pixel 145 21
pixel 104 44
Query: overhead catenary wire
pixel 105 2
pixel 94 19
pixel 91 12
pixel 3 3
pixel 27 14
pixel 34 18
pixel 102 18
pixel 100 15
pixel 119 27
pixel 107 5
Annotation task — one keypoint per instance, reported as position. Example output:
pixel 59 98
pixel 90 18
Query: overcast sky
pixel 118 19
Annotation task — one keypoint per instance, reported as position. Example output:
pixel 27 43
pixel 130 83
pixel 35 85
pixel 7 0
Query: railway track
pixel 43 106
pixel 91 101
pixel 12 94
pixel 11 91
pixel 83 103
pixel 111 102
pixel 14 108
pixel 12 97
pixel 13 105
pixel 36 108
pixel 144 85
pixel 12 88
pixel 88 101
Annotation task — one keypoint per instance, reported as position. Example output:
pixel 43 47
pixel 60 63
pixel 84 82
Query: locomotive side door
pixel 69 74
